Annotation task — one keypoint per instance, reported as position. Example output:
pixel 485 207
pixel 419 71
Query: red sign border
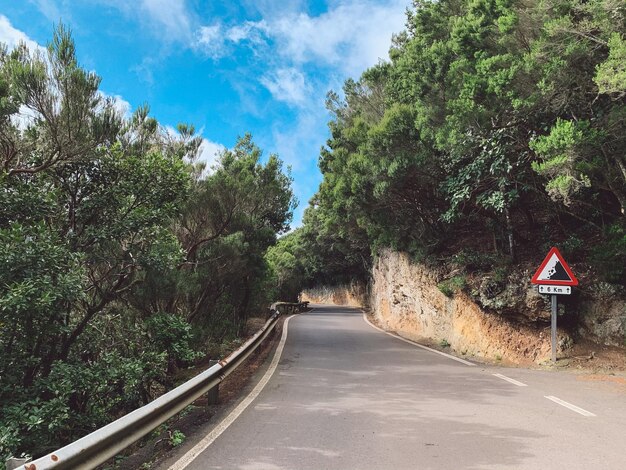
pixel 568 270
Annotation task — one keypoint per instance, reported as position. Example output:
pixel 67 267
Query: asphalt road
pixel 346 396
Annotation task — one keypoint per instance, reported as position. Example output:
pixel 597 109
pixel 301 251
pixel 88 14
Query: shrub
pixel 452 285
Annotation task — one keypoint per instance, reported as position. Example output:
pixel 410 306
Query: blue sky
pixel 258 66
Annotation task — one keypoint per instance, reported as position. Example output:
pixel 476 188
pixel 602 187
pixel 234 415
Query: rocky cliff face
pixel 601 315
pixel 406 298
pixel 499 319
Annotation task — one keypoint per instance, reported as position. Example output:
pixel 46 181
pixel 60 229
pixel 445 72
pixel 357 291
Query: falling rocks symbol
pixel 558 273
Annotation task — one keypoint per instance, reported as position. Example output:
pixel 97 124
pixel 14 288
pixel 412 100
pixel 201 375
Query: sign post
pixel 553 326
pixel 554 277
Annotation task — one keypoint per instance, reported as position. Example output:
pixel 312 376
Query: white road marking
pixel 201 446
pixel 570 406
pixel 508 379
pixel 458 359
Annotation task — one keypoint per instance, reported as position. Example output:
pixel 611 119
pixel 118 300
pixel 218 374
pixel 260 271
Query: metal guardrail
pixel 289 307
pixel 106 442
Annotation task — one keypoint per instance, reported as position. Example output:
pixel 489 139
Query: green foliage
pixel 173 335
pixel 286 264
pixel 572 247
pixel 119 260
pixel 500 274
pixel 560 152
pixel 450 286
pixel 177 438
pixel 473 260
pixel 226 226
pixel 609 258
pixel 611 74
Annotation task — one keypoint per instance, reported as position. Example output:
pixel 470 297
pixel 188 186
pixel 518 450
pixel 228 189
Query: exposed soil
pixel 595 358
pixel 158 445
pixel 596 362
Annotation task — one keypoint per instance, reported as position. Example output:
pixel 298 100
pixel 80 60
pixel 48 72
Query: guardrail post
pixel 213 395
pixel 14 462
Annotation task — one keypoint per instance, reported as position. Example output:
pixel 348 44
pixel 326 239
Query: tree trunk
pixel 509 232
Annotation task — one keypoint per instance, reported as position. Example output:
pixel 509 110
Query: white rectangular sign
pixel 558 290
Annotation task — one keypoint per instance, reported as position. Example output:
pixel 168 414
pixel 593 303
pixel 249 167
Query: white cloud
pixel 24 117
pixel 299 56
pixel 144 70
pixel 249 31
pixel 287 85
pixel 214 40
pixel 210 39
pixel 122 106
pixel 298 143
pixel 170 20
pixel 171 132
pixel 209 152
pixel 352 36
pixel 49 9
pixel 172 15
pixel 271 8
pixel 13 37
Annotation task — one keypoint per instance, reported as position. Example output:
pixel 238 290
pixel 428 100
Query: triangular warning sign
pixel 554 271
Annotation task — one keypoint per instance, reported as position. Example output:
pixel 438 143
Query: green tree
pixel 82 218
pixel 231 218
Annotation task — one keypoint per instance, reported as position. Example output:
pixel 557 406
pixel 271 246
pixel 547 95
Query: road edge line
pixel 449 356
pixel 569 406
pixel 510 380
pixel 201 446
